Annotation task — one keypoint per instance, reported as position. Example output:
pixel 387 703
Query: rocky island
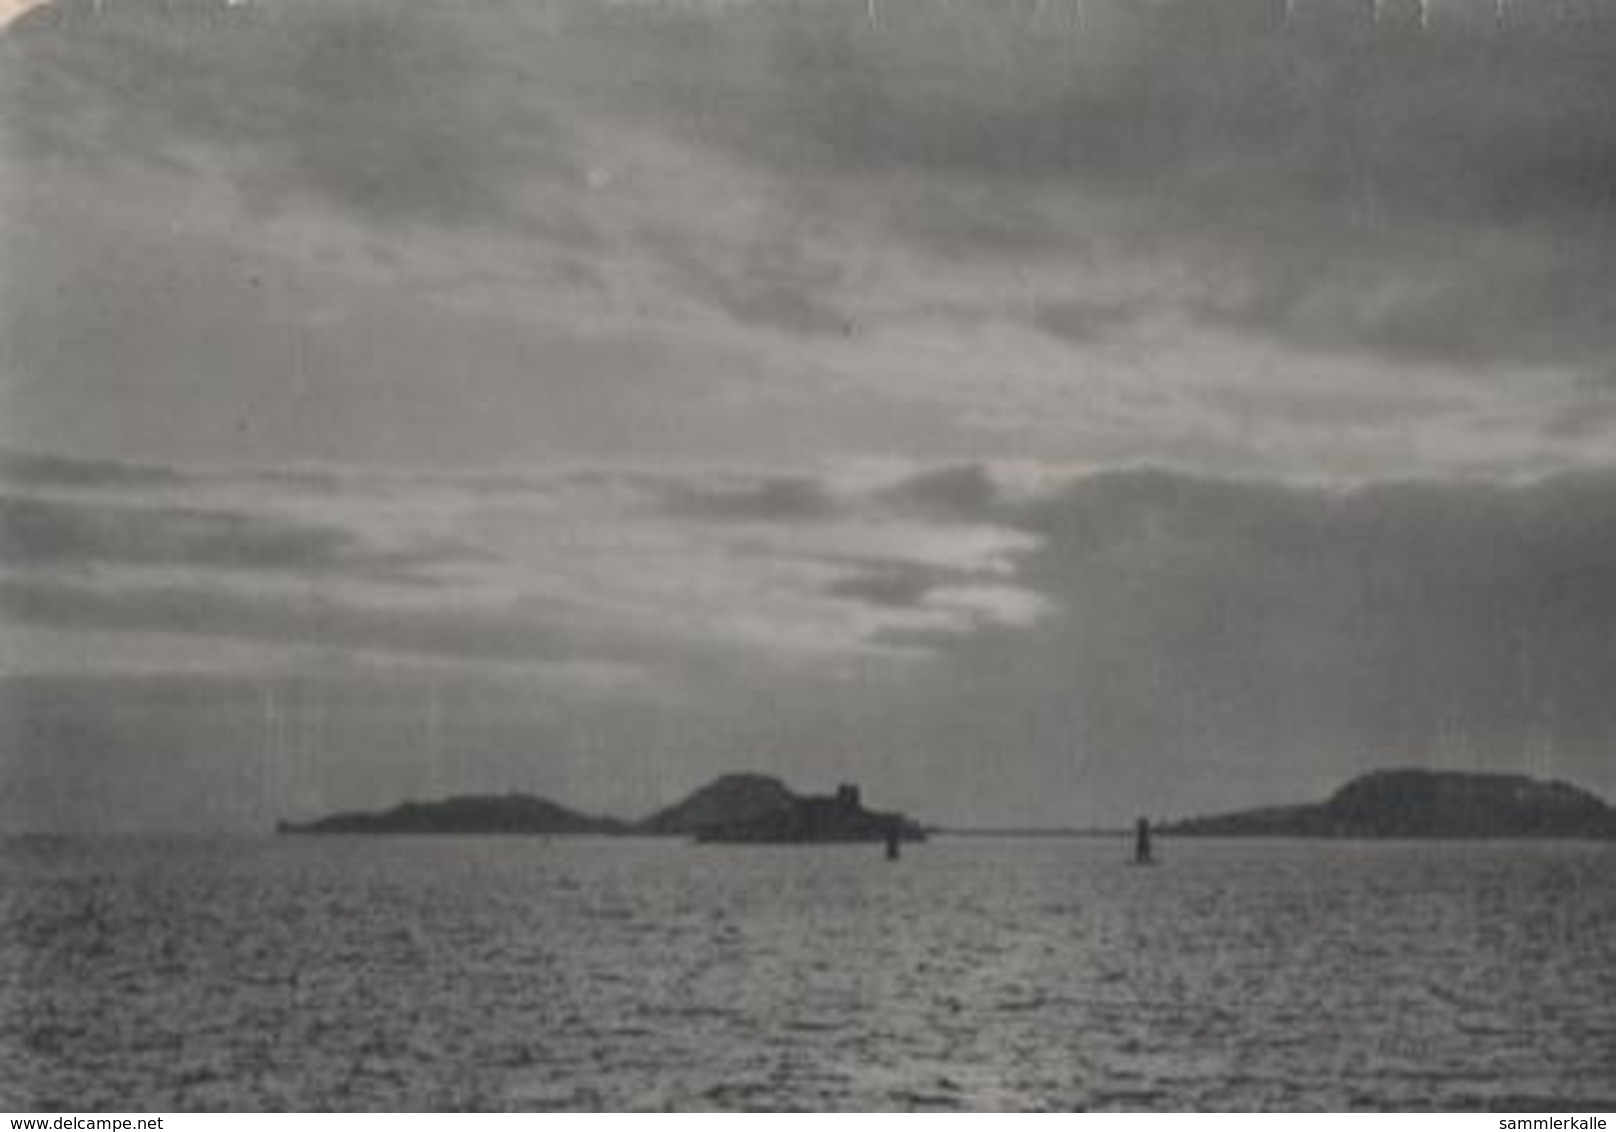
pixel 473 813
pixel 754 807
pixel 1424 804
pixel 734 807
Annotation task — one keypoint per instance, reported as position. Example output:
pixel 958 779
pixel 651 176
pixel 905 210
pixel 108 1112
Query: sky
pixel 1038 412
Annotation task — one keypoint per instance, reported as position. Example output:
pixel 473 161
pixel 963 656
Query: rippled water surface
pixel 580 973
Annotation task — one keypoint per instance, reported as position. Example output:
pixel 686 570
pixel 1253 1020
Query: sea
pixel 528 973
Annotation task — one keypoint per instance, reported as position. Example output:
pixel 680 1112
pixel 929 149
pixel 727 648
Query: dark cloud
pixel 1374 199
pixel 1213 640
pixel 1086 321
pixel 888 584
pixel 891 584
pixel 1327 406
pixel 769 499
pixel 39 469
pixel 1204 643
pixel 55 532
pixel 782 307
pixel 1306 173
pixel 314 620
pixel 1224 111
pixel 948 493
pixel 959 491
pixel 1535 303
pixel 969 221
pixel 1588 412
pixel 773 283
pixel 389 112
pixel 1435 195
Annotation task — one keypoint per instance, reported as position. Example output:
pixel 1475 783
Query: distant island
pixel 732 808
pixel 755 807
pixel 761 809
pixel 472 813
pixel 1424 804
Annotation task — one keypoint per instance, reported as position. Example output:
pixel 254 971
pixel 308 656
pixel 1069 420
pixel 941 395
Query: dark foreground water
pixel 525 973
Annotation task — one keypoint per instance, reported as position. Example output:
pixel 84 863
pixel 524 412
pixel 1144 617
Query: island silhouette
pixel 1423 804
pixel 761 808
pixel 732 808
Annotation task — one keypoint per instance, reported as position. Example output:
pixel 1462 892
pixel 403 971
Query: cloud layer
pixel 1009 640
pixel 607 564
pixel 1056 408
pixel 1179 231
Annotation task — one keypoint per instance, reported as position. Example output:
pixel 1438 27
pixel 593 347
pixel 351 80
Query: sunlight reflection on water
pixel 402 973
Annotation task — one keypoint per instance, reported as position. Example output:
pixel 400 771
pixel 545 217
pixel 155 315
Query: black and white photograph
pixel 808 556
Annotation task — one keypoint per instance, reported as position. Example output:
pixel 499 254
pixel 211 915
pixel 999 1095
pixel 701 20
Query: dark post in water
pixel 1141 842
pixel 893 840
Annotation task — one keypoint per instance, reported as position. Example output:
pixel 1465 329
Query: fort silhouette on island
pixel 731 808
pixel 757 808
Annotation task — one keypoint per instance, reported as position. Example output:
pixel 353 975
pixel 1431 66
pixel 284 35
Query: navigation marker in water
pixel 1141 843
